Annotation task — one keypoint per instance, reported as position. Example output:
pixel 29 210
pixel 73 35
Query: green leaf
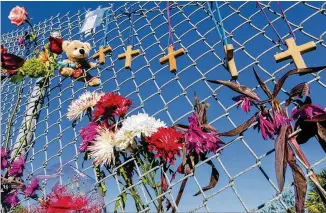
pixel 17 78
pixel 123 199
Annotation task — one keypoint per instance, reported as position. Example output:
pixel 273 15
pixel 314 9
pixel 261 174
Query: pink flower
pixel 308 112
pixel 30 190
pixel 199 141
pixel 18 15
pixel 279 119
pixel 11 199
pixel 266 127
pixel 17 167
pixel 21 41
pixel 88 135
pixel 245 102
pixel 4 158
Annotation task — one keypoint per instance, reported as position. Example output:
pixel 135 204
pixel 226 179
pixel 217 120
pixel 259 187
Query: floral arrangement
pixel 307 120
pixel 112 139
pixel 41 64
pixel 75 196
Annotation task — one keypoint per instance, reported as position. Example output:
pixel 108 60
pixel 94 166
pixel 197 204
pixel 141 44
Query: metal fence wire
pixel 245 162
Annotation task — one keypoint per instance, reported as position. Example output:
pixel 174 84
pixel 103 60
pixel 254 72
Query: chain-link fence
pixel 246 164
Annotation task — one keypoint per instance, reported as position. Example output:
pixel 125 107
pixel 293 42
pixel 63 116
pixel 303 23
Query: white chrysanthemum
pixel 102 150
pixel 136 125
pixel 80 105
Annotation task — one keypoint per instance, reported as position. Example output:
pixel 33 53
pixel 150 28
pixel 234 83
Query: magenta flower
pixel 308 112
pixel 30 190
pixel 17 167
pixel 11 199
pixel 4 158
pixel 266 127
pixel 20 41
pixel 88 135
pixel 199 141
pixel 245 102
pixel 279 119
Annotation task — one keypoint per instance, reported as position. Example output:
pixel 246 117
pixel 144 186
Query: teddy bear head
pixel 76 50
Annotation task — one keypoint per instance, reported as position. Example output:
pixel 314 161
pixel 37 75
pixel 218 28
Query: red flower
pixel 10 61
pixel 60 200
pixel 166 143
pixel 3 49
pixel 111 104
pixel 55 45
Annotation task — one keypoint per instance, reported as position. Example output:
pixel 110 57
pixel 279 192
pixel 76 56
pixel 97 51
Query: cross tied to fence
pixel 165 107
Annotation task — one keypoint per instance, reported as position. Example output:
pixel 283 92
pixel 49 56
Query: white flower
pixel 102 150
pixel 80 105
pixel 136 125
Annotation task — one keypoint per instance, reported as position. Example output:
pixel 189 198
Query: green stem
pixel 13 114
pixel 21 141
pixel 134 193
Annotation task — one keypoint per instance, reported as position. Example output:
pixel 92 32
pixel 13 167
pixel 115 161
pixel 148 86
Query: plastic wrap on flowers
pixel 69 191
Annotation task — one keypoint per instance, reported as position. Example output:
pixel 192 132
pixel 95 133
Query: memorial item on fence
pixel 55 45
pixel 228 48
pixel 100 55
pixel 128 56
pixel 172 55
pixel 295 52
pixel 10 63
pixel 275 122
pixel 19 16
pixel 77 65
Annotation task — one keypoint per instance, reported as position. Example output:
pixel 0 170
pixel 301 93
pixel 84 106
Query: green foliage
pixel 287 198
pixel 314 203
pixel 33 68
pixel 16 78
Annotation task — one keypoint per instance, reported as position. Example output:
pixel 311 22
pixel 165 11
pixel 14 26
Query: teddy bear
pixel 76 65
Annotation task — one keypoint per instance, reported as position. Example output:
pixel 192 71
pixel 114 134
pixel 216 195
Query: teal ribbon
pixel 218 25
pixel 65 64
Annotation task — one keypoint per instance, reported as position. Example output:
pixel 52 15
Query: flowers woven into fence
pixel 275 122
pixel 112 139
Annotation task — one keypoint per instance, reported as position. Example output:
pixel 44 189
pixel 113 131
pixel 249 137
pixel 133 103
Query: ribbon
pixel 107 20
pixel 169 25
pixel 218 24
pixel 271 24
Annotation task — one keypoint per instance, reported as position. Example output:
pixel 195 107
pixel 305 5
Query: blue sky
pixel 138 84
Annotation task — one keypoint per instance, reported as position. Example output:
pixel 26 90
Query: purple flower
pixel 11 199
pixel 266 127
pixel 30 190
pixel 4 158
pixel 308 112
pixel 245 102
pixel 199 141
pixel 20 41
pixel 279 119
pixel 17 167
pixel 88 135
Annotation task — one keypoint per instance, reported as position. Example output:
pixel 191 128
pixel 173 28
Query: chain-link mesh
pixel 168 96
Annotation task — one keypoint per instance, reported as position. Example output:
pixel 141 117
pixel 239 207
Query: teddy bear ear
pixel 65 44
pixel 88 45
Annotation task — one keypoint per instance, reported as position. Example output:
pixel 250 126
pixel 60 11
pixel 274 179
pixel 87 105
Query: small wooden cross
pixel 228 49
pixel 295 52
pixel 101 54
pixel 171 56
pixel 128 56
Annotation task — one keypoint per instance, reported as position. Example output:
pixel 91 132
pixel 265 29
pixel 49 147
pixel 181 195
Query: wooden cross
pixel 171 56
pixel 295 52
pixel 101 54
pixel 128 56
pixel 228 49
